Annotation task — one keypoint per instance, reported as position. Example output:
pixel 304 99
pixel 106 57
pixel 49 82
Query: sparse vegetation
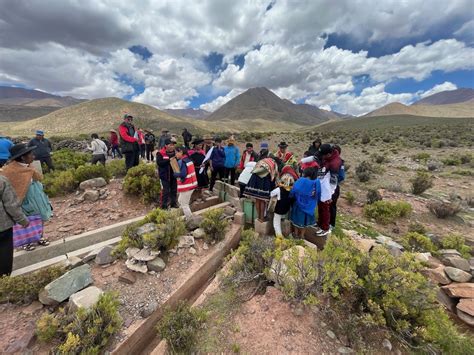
pixel 423 157
pixel 458 242
pixel 214 225
pixel 421 182
pixel 350 197
pixel 142 181
pixel 116 168
pixel 444 209
pixel 373 195
pixel 385 212
pixel 364 171
pixel 65 159
pixel 417 242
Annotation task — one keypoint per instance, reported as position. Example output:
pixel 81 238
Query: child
pixel 186 179
pixel 284 201
pixel 245 176
pixel 340 178
pixel 306 192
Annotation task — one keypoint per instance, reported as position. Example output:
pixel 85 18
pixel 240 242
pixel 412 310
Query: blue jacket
pixel 232 156
pixel 218 157
pixel 5 145
pixel 307 193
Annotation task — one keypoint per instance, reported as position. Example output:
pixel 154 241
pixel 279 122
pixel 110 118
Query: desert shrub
pixel 433 165
pixel 470 201
pixel 65 159
pixel 373 195
pixel 417 242
pixel 365 139
pixel 82 331
pixel 117 168
pixel 421 157
pixel 395 186
pixel 386 212
pixel 444 209
pixel 58 183
pixel 350 198
pixel 86 172
pixel 167 233
pixel 417 228
pixel 25 288
pixel 214 225
pixel 452 161
pixel 421 182
pixel 463 172
pixel 142 181
pixel 458 242
pixel 181 326
pixel 379 158
pixel 364 171
pixel 465 158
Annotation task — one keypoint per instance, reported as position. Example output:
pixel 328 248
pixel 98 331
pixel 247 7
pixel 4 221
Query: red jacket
pixel 141 137
pixel 187 179
pixel 284 157
pixel 253 157
pixel 333 163
pixel 114 138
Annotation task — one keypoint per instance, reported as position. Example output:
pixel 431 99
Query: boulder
pixel 60 289
pixel 194 222
pixel 437 275
pixel 199 233
pixel 92 183
pixel 145 255
pixel 423 257
pixel 449 252
pixel 457 274
pixel 146 228
pixel 457 262
pixel 105 256
pixel 156 265
pixel 466 318
pixel 85 298
pixel 90 195
pixel 229 211
pixel 136 266
pixel 364 245
pixel 186 241
pixel 446 301
pixel 131 251
pixel 128 278
pixel 383 239
pixel 459 290
pixel 466 305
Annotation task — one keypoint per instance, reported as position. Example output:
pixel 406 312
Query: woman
pixel 187 181
pixel 197 155
pixel 284 201
pixel 26 182
pixel 114 143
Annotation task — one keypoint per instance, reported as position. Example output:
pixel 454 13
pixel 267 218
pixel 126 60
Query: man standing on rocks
pixel 167 166
pixel 129 142
pixel 43 149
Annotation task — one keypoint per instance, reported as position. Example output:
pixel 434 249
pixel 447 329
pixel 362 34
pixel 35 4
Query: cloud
pixel 221 100
pixel 446 86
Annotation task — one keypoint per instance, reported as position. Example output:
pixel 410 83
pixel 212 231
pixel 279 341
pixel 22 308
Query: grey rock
pixel 105 256
pixel 146 228
pixel 85 298
pixel 156 265
pixel 331 334
pixel 445 300
pixel 194 222
pixel 136 266
pixel 146 254
pixel 457 262
pixel 60 289
pixel 91 183
pixel 383 239
pixel 91 256
pixel 186 241
pixel 229 211
pixel 131 252
pixel 205 246
pixel 90 195
pixel 345 350
pixel 423 257
pixel 72 261
pixel 387 344
pixel 457 275
pixel 199 233
pixel 149 309
pixel 449 252
pixel 192 251
pixel 128 278
pixel 466 318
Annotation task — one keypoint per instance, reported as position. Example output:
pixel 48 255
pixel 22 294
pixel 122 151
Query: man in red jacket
pixel 129 142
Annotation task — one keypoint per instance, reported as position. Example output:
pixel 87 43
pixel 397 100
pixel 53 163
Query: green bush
pixel 417 228
pixel 116 168
pixel 465 158
pixel 386 212
pixel 452 161
pixel 379 158
pixel 364 171
pixel 25 288
pixel 458 242
pixel 365 139
pixel 417 242
pixel 214 225
pixel 86 172
pixel 57 183
pixel 421 182
pixel 421 157
pixel 142 181
pixel 181 326
pixel 444 209
pixel 350 198
pixel 373 195
pixel 65 159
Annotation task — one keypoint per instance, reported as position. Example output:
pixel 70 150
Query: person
pixel 5 145
pixel 26 182
pixel 187 137
pixel 217 162
pixel 186 179
pixel 141 143
pixel 43 149
pixel 309 164
pixel 114 143
pixel 245 176
pixel 169 188
pixel 286 157
pixel 341 176
pixel 232 159
pixel 150 141
pixel 207 143
pixel 331 165
pixel 306 193
pixel 197 155
pixel 264 151
pixel 129 142
pixel 164 136
pixel 247 156
pixel 314 150
pixel 10 213
pixel 284 201
pixel 261 183
pixel 99 150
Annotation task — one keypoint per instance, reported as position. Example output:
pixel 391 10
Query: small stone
pixel 128 278
pixel 229 211
pixel 85 298
pixel 383 239
pixel 387 344
pixel 194 222
pixel 90 195
pixel 91 256
pixel 131 252
pixel 146 228
pixel 457 274
pixel 156 265
pixel 199 233
pixel 192 251
pixel 331 334
pixel 437 275
pixel 105 256
pixel 149 309
pixel 65 229
pixel 364 245
pixel 457 262
pixel 423 257
pixel 136 266
pixel 205 246
pixel 91 183
pixel 345 350
pixel 72 262
pixel 145 255
pixel 186 241
pixel 298 311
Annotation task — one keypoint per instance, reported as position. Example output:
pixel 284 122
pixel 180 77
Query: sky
pixel 348 56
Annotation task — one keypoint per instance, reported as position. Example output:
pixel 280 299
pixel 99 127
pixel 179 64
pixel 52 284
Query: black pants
pixel 3 162
pixel 6 252
pixel 333 208
pixel 131 159
pixel 242 189
pixel 214 173
pixel 142 150
pixel 48 161
pixel 169 193
pixel 98 158
pixel 149 152
pixel 230 172
pixel 116 151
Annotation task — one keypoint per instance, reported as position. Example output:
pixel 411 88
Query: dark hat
pixel 127 115
pixel 197 141
pixel 326 149
pixel 168 141
pixel 19 150
pixel 282 145
pixel 249 145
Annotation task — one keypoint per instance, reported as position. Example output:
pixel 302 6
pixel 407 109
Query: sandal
pixel 29 247
pixel 43 242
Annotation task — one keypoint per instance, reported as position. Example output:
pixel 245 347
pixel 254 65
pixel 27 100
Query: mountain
pixel 260 109
pixel 463 109
pixel 447 97
pixel 99 116
pixel 189 112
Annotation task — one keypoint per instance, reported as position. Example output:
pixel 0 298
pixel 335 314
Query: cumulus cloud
pixel 221 100
pixel 446 86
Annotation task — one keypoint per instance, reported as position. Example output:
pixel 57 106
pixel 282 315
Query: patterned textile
pixel 268 165
pixel 30 234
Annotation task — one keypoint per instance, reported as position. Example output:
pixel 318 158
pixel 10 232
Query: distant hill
pixel 463 109
pixel 17 113
pixel 447 97
pixel 261 109
pixel 189 112
pixel 99 116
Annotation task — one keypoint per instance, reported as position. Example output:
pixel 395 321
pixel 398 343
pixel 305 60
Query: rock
pixel 128 278
pixel 457 262
pixel 466 305
pixel 85 298
pixel 131 252
pixel 186 241
pixel 394 249
pixel 383 239
pixel 459 290
pixel 72 261
pixel 156 265
pixel 32 308
pixel 445 300
pixel 229 211
pixel 146 228
pixel 145 255
pixel 387 344
pixel 205 246
pixel 364 245
pixel 91 256
pixel 92 183
pixel 423 257
pixel 90 195
pixel 345 350
pixel 192 251
pixel 199 233
pixel 466 318
pixel 239 218
pixel 194 222
pixel 149 309
pixel 136 266
pixel 437 275
pixel 434 263
pixel 331 334
pixel 449 252
pixel 105 256
pixel 298 311
pixel 457 274
pixel 65 229
pixel 60 289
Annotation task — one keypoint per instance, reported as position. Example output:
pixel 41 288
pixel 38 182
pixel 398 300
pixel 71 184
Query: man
pixel 217 163
pixel 169 187
pixel 129 142
pixel 150 142
pixel 232 158
pixel 99 150
pixel 187 137
pixel 43 149
pixel 164 136
pixel 314 149
pixel 207 143
pixel 282 153
pixel 5 145
pixel 247 156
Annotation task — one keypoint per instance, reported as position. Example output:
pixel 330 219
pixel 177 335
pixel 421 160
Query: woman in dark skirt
pixel 261 184
pixel 197 155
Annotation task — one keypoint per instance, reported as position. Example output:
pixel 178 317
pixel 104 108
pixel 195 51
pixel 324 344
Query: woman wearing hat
pixel 197 155
pixel 287 158
pixel 26 182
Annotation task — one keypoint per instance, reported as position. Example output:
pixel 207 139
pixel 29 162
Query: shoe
pixel 323 233
pixel 317 229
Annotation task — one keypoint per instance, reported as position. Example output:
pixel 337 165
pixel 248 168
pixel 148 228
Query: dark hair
pixel 310 173
pixel 249 145
pixel 218 140
pixel 338 148
pixel 181 149
pixel 317 140
pixel 94 136
pixel 307 153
